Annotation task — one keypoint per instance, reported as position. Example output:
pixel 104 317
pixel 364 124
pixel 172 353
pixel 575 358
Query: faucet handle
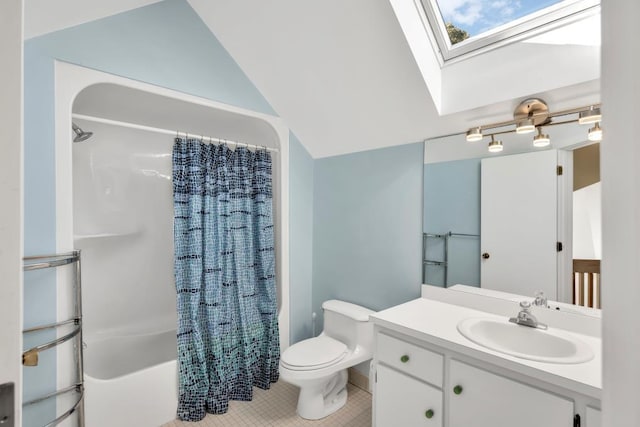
pixel 525 305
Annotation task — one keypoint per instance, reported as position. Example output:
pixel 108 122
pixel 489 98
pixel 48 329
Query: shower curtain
pixel 225 276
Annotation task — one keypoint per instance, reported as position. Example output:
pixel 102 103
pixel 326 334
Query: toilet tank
pixel 348 323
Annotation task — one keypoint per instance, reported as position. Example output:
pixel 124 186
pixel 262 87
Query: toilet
pixel 319 365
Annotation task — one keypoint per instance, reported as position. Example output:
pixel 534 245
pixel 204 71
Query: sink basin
pixel 551 345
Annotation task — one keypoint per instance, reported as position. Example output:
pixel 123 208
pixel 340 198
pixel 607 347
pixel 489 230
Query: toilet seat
pixel 313 353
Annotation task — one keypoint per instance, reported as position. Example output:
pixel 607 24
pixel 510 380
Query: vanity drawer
pixel 401 400
pixel 410 358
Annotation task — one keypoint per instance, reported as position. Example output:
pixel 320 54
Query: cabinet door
pixel 401 400
pixel 484 399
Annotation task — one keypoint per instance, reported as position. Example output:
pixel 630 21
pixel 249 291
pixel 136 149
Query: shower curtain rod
pixel 203 138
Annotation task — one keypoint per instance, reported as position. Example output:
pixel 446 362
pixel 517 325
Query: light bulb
pixel 541 140
pixel 592 115
pixel 525 126
pixel 474 134
pixel 495 146
pixel 595 133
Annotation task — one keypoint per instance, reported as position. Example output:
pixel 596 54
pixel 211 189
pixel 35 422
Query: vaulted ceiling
pixel 350 76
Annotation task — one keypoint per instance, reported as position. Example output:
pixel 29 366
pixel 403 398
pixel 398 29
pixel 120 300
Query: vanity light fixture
pixel 525 126
pixel 495 146
pixel 541 140
pixel 592 115
pixel 532 114
pixel 595 133
pixel 474 134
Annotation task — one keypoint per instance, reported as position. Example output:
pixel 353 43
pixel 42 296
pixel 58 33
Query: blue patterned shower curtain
pixel 225 276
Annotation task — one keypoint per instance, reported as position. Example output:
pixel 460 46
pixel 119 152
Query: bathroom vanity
pixel 427 373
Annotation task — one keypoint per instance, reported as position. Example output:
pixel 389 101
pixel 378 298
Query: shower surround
pixel 114 202
pixel 123 214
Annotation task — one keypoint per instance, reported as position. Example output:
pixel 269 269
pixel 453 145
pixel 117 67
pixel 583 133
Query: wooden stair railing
pixel 586 282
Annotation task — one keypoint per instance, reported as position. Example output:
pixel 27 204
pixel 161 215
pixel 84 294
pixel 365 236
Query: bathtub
pixel 131 381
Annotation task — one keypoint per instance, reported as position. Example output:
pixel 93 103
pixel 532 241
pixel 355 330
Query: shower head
pixel 80 134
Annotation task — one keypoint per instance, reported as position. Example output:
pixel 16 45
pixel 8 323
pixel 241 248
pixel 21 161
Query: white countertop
pixel 436 323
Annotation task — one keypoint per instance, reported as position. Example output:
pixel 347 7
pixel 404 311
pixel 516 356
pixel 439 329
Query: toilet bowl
pixel 319 365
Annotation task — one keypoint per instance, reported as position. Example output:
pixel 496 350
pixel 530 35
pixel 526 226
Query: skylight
pixel 465 26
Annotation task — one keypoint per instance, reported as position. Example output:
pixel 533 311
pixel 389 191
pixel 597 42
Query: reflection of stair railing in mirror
pixel 444 262
pixel 586 282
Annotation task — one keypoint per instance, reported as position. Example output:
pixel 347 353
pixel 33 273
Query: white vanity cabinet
pixel 480 398
pixel 421 384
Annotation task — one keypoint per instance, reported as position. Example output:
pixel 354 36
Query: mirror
pixel 497 222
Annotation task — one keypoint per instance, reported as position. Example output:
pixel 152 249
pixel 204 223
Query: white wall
pixel 620 153
pixel 587 222
pixel 11 196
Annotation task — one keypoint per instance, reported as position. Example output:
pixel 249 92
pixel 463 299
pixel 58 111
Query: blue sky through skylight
pixel 478 16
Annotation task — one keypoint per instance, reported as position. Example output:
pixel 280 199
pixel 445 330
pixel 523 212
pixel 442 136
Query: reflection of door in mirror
pixel 518 223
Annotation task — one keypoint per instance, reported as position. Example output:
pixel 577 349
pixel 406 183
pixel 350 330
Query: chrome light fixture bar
pixel 532 114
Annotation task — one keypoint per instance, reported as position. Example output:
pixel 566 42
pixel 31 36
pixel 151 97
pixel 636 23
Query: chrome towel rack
pixel 30 356
pixel 444 261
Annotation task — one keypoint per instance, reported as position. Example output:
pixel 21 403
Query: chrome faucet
pixel 525 318
pixel 541 299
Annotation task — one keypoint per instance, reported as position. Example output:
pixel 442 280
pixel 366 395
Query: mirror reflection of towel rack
pixel 444 261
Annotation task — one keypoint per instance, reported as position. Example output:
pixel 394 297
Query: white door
pixel 518 223
pixel 11 199
pixel 404 401
pixel 481 399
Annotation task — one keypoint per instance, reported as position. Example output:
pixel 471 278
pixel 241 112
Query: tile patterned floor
pixel 277 408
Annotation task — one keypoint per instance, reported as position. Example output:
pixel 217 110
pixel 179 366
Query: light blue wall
pixel 165 44
pixel 39 230
pixel 452 203
pixel 301 167
pixel 367 227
